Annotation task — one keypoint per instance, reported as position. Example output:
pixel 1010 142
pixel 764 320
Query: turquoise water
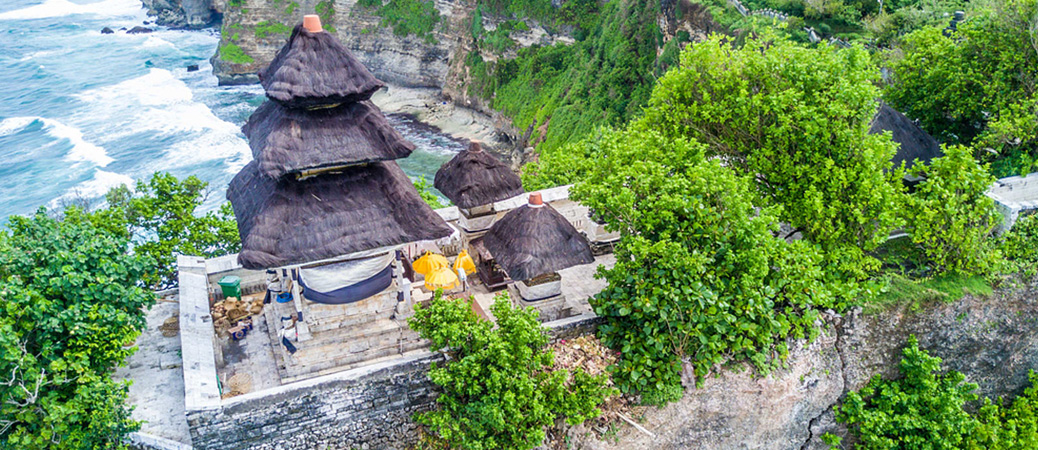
pixel 81 111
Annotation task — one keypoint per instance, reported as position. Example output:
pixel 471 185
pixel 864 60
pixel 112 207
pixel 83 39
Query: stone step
pixel 347 361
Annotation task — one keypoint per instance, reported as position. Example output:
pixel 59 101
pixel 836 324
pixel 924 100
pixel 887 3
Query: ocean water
pixel 81 111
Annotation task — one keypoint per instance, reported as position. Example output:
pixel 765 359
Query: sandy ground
pixel 157 392
pixel 429 107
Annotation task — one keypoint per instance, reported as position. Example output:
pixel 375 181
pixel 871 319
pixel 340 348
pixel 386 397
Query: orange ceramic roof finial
pixel 312 23
pixel 535 200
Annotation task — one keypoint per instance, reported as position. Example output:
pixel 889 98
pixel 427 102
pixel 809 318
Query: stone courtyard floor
pixel 157 391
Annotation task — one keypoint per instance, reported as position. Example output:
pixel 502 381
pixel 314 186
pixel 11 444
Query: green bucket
pixel 231 286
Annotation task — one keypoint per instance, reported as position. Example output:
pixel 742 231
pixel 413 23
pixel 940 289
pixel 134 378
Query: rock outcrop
pixel 993 341
pixel 183 13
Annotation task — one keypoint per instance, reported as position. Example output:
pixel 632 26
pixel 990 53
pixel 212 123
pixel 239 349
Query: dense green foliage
pixel 70 307
pixel 406 17
pixel 924 409
pixel 978 87
pixel 499 388
pixel 267 29
pixel 562 92
pixel 161 217
pixel 796 120
pixel 699 277
pixel 950 218
pixel 430 199
pixel 1019 246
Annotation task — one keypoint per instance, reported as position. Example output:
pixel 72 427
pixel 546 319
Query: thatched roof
pixel 532 241
pixel 915 144
pixel 286 140
pixel 315 69
pixel 285 222
pixel 474 177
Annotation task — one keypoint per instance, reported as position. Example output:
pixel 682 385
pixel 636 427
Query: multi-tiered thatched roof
pixel 914 143
pixel 291 140
pixel 286 222
pixel 323 183
pixel 535 240
pixel 474 178
pixel 315 69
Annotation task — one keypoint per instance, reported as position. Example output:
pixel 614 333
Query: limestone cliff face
pixel 254 30
pixel 992 341
pixel 183 13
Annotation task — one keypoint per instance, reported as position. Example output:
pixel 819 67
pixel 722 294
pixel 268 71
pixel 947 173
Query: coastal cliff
pixel 992 341
pixel 184 13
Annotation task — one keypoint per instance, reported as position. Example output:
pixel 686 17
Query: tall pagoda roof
pixel 288 221
pixel 534 240
pixel 914 143
pixel 290 140
pixel 315 69
pixel 474 177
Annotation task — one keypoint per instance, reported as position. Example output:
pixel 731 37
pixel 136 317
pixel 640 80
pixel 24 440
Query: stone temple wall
pixel 367 407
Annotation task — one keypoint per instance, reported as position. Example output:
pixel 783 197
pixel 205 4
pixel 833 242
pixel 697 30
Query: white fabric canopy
pixel 330 277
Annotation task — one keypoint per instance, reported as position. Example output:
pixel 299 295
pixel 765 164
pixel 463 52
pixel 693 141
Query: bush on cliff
pixel 1020 246
pixel 795 120
pixel 924 409
pixel 500 390
pixel 699 277
pixel 950 217
pixel 71 306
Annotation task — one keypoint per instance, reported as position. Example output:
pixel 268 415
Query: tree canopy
pixel 71 305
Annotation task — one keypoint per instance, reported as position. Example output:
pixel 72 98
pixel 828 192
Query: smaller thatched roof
pixel 286 222
pixel 914 143
pixel 474 177
pixel 315 69
pixel 287 140
pixel 534 240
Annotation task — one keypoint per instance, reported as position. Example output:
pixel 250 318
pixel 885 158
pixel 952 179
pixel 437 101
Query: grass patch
pixel 901 290
pixel 267 28
pixel 232 53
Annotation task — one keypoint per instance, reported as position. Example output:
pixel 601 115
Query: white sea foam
pixel 159 104
pixel 61 8
pixel 93 188
pixel 153 41
pixel 82 151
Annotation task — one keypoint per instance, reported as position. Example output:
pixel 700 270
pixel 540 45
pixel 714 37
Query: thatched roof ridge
pixel 287 140
pixel 285 222
pixel 315 69
pixel 474 177
pixel 532 241
pixel 915 144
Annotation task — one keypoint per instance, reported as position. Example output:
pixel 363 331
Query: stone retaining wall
pixel 367 407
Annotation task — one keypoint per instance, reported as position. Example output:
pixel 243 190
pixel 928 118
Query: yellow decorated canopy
pixel 464 261
pixel 429 262
pixel 441 278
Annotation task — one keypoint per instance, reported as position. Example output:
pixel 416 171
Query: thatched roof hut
pixel 534 240
pixel 315 69
pixel 915 144
pixel 291 140
pixel 474 178
pixel 287 221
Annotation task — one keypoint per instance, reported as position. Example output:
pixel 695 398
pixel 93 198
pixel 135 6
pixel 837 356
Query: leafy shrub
pixel 267 28
pixel 407 17
pixel 70 307
pixel 699 277
pixel 234 54
pixel 430 199
pixel 796 120
pixel 499 390
pixel 924 409
pixel 949 215
pixel 1019 246
pixel 160 216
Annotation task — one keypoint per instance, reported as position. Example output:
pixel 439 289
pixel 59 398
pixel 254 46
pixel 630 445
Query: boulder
pixel 107 30
pixel 139 30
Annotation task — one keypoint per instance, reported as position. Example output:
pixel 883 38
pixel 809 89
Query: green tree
pixel 499 389
pixel 71 305
pixel 699 276
pixel 950 218
pixel 161 216
pixel 424 191
pixel 1019 244
pixel 924 409
pixel 978 87
pixel 796 120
